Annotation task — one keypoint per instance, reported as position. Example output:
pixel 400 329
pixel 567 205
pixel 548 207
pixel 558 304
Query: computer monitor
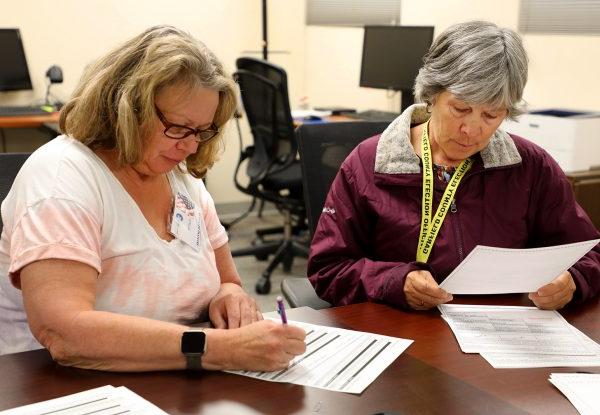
pixel 392 56
pixel 14 74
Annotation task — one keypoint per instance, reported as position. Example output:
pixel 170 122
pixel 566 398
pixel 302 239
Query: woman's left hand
pixel 233 308
pixel 556 294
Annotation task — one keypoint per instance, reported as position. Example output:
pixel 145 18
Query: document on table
pixel 99 401
pixel 508 329
pixel 337 359
pixel 581 389
pixel 489 270
pixel 530 360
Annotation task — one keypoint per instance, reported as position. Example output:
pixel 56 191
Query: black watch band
pixel 193 362
pixel 193 346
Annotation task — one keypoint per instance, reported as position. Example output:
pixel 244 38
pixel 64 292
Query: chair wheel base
pixel 263 286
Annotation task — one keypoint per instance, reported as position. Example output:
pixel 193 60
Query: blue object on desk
pixel 311 119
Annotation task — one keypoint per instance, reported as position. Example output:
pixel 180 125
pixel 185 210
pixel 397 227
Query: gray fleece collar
pixel 395 154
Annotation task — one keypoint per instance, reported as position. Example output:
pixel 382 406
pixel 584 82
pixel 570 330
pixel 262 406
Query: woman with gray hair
pixel 409 205
pixel 111 246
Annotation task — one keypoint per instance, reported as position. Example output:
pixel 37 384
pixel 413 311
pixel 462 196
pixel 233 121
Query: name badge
pixel 185 223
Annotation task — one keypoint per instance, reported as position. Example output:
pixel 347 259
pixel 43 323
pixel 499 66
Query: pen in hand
pixel 281 309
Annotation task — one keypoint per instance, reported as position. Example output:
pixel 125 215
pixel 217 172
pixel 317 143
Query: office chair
pixel 273 170
pixel 10 164
pixel 323 148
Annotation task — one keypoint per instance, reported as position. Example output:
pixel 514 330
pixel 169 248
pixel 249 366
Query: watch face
pixel 193 342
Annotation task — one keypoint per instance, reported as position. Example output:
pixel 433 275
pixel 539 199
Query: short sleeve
pixel 54 228
pixel 217 234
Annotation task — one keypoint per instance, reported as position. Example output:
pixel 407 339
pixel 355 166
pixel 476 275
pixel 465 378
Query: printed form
pixel 489 270
pixel 106 400
pixel 510 329
pixel 527 360
pixel 337 359
pixel 580 389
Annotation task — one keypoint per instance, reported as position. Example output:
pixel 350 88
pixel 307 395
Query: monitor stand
pixel 406 99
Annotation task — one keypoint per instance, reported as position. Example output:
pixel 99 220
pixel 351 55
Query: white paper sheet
pixel 300 114
pixel 99 401
pixel 581 389
pixel 508 329
pixel 529 360
pixel 489 270
pixel 337 359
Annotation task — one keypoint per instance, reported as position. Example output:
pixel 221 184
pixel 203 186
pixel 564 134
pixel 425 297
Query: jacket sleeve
pixel 342 267
pixel 558 219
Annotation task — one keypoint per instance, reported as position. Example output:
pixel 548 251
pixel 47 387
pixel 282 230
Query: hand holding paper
pixel 555 295
pixel 423 292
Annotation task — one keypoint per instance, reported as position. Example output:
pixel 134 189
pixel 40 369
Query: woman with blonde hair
pixel 112 246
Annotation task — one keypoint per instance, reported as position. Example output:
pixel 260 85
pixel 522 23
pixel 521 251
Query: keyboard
pixel 13 111
pixel 373 115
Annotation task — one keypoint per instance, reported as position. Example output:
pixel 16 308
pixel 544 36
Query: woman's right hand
pixel 261 346
pixel 422 292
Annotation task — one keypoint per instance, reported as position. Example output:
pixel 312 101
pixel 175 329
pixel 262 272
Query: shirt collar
pixel 395 153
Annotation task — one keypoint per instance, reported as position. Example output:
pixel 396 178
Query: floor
pixel 250 269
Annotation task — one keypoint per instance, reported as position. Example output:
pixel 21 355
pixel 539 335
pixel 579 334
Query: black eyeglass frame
pixel 201 136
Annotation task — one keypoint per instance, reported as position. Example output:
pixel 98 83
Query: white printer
pixel 571 137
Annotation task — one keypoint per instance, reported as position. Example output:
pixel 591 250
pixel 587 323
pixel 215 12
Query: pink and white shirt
pixel 65 203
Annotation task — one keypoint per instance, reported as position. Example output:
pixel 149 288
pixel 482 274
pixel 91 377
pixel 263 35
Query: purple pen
pixel 281 309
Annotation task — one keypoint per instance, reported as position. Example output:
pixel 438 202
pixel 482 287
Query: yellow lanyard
pixel 429 227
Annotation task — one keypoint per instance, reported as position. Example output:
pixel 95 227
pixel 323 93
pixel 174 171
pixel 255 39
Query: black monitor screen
pixel 14 74
pixel 392 55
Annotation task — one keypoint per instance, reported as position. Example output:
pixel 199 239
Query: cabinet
pixel 586 186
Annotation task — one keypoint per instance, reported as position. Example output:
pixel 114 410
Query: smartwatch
pixel 193 346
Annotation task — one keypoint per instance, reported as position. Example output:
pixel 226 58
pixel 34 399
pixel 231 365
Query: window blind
pixel 352 12
pixel 560 16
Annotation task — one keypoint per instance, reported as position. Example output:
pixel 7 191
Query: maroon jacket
pixel 514 196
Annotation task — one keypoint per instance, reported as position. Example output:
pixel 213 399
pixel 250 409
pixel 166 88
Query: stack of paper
pixel 580 389
pixel 100 401
pixel 337 359
pixel 519 337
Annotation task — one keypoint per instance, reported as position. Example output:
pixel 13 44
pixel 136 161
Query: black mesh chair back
pixel 272 168
pixel 10 164
pixel 265 97
pixel 323 148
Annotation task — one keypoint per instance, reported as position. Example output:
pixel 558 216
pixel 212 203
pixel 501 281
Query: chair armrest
pixel 299 292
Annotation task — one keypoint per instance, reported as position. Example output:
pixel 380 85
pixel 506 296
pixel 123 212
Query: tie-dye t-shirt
pixel 65 203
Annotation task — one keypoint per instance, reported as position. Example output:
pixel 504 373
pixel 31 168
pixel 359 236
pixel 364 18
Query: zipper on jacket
pixel 457 233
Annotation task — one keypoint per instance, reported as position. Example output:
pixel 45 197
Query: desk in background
pixel 432 376
pixel 27 121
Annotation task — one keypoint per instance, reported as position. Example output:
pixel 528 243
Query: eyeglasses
pixel 179 132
